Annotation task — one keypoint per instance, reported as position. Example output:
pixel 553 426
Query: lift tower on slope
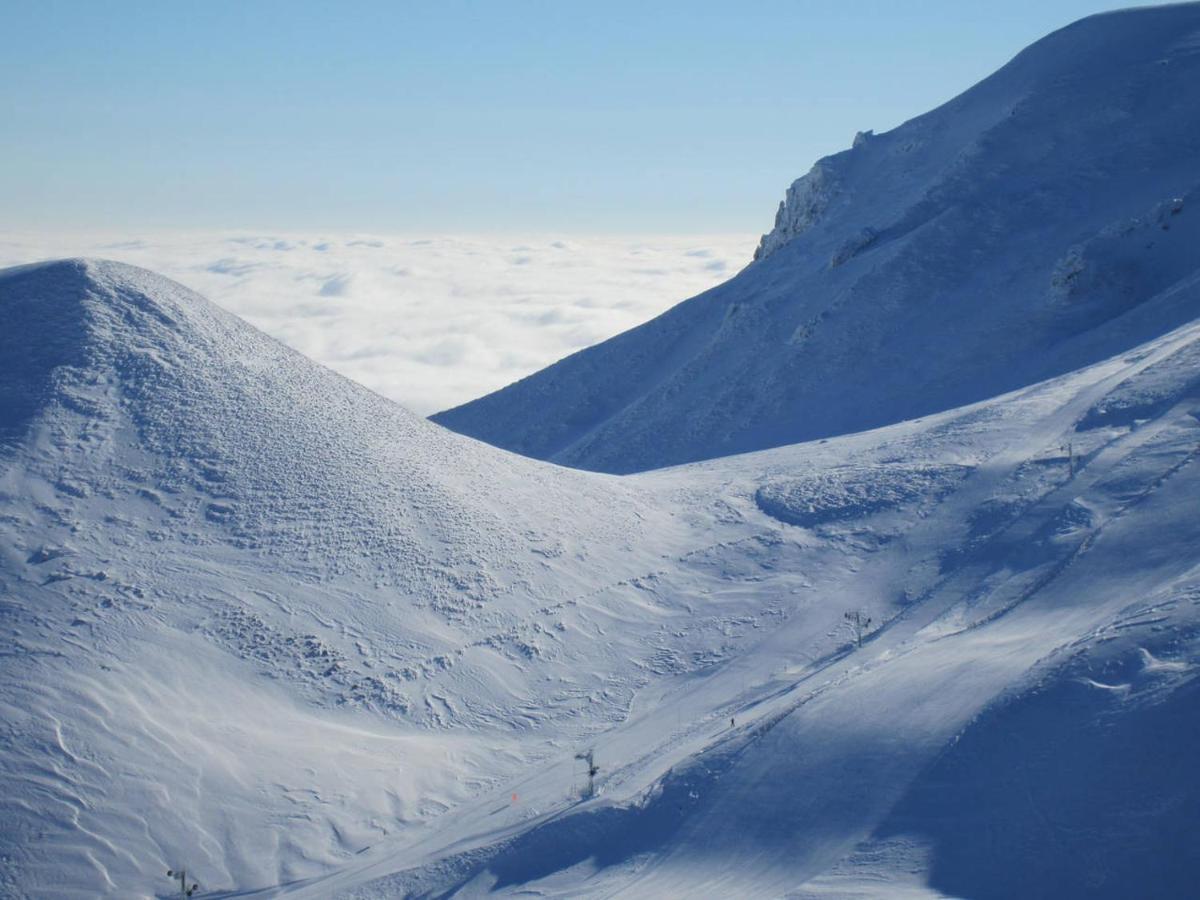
pixel 181 876
pixel 592 771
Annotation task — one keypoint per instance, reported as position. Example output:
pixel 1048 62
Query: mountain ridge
pixel 993 242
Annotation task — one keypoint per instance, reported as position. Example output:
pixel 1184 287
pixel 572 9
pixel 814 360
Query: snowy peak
pixel 45 328
pixel 1119 56
pixel 106 300
pixel 381 649
pixel 1037 223
pixel 121 383
pixel 78 329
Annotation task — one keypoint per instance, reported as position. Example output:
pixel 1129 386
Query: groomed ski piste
pixel 261 624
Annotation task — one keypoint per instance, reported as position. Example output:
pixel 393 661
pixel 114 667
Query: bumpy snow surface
pixel 1046 219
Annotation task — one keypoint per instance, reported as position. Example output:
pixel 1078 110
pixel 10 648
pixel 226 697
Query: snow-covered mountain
pixel 1046 219
pixel 261 623
pixel 187 506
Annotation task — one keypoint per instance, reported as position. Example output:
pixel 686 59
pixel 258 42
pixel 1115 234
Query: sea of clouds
pixel 429 322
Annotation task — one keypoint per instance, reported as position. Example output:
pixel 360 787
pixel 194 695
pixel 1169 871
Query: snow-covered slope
pixel 252 611
pixel 263 624
pixel 1046 219
pixel 1018 721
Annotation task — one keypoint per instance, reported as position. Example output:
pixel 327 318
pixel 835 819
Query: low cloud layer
pixel 431 322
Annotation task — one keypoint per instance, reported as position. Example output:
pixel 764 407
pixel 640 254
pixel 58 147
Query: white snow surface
pixel 261 623
pixel 1044 220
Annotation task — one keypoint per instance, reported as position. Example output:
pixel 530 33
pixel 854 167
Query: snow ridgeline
pixel 1042 221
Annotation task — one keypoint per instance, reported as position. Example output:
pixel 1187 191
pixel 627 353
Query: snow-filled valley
pixel 262 624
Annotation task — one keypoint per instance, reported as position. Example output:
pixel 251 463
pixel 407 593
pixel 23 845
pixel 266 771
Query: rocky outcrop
pixel 802 206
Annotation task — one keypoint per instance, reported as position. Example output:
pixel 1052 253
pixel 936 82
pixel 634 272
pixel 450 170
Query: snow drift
pixel 1043 220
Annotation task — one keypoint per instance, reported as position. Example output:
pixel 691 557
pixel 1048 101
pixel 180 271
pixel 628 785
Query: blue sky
pixel 555 117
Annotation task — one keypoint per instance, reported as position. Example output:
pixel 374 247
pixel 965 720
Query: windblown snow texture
pixel 208 539
pixel 1032 225
pixel 260 623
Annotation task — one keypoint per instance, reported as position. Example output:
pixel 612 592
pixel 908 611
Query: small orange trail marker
pixel 514 798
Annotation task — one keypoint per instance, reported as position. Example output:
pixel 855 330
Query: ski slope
pixel 234 640
pixel 1021 722
pixel 1027 228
